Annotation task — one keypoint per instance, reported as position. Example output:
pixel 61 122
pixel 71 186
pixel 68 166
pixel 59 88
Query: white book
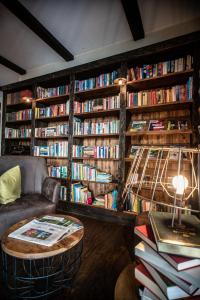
pixel 190 277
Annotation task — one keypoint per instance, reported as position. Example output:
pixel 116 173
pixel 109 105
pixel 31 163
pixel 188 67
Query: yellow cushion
pixel 10 185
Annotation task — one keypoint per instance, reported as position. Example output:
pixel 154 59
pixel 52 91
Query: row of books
pixel 102 80
pixel 164 275
pixel 96 151
pixel 81 171
pixel 108 200
pixel 157 125
pixel 160 69
pixel 81 194
pixel 178 93
pixel 52 110
pixel 52 92
pixel 23 132
pixel 17 97
pixel 112 102
pixel 25 114
pixel 94 127
pixel 63 193
pixel 136 204
pixel 55 149
pixel 57 130
pixel 57 171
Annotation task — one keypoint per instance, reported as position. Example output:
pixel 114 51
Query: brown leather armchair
pixel 40 193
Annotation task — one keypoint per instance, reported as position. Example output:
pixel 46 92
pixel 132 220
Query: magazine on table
pixel 46 231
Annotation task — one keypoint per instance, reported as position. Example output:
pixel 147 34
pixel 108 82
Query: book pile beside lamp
pixel 169 253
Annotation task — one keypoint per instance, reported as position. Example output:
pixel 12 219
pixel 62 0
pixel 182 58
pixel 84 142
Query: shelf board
pixel 97 182
pixel 94 158
pixel 96 135
pixel 52 157
pixel 159 132
pixel 160 107
pixel 52 119
pixel 51 99
pixel 20 105
pixel 94 114
pixel 164 80
pixel 93 205
pixel 97 92
pixel 19 122
pixel 52 137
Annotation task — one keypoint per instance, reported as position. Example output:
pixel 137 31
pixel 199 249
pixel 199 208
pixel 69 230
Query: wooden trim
pixel 10 65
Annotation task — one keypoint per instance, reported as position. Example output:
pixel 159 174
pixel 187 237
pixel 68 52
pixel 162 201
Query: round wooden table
pixel 32 271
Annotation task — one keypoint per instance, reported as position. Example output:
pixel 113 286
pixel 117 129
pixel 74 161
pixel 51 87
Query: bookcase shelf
pixel 187 110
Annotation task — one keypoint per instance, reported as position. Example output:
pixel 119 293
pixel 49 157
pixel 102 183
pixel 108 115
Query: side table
pixel 32 271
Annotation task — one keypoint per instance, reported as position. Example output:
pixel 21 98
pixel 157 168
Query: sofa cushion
pixel 10 185
pixel 33 171
pixel 27 206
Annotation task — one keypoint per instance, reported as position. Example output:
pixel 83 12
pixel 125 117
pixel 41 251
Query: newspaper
pixel 46 231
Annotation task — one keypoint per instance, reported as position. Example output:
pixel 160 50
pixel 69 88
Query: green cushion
pixel 10 185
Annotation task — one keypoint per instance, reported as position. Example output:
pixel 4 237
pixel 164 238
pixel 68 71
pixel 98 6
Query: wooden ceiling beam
pixel 10 65
pixel 31 22
pixel 134 19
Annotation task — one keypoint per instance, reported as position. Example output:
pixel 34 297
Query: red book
pixel 178 262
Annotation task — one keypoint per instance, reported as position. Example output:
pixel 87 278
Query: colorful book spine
pixel 96 151
pixel 52 111
pixel 102 80
pixel 57 130
pixel 20 115
pixel 91 127
pixel 57 171
pixel 52 92
pixel 112 102
pixel 55 149
pixel 86 172
pixel 23 132
pixel 160 69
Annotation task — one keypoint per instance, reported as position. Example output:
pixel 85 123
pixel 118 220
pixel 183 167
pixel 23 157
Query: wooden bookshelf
pixel 165 51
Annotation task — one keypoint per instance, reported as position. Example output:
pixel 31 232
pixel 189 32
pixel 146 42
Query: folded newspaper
pixel 46 231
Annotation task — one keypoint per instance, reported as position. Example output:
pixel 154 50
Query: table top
pixel 27 250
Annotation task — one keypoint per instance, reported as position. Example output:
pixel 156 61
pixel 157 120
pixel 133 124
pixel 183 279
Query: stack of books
pixel 164 275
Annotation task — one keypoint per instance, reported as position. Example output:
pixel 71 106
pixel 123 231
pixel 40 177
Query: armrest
pixel 51 189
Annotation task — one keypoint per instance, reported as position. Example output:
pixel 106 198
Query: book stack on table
pixel 164 275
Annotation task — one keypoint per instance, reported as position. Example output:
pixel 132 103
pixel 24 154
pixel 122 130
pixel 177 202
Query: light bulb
pixel 120 81
pixel 180 183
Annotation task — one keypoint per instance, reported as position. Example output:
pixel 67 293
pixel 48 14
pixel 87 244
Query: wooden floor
pixel 107 249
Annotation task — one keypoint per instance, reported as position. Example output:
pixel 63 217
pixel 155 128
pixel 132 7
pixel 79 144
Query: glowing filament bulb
pixel 180 183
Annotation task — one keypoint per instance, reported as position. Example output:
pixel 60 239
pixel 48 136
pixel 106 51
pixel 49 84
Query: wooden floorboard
pixel 107 249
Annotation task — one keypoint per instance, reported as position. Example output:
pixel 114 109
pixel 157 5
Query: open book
pixel 46 231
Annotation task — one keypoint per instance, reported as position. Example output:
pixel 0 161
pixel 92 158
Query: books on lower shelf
pixel 56 110
pixel 160 69
pixel 167 276
pixel 81 171
pixel 53 130
pixel 57 171
pixel 63 193
pixel 52 92
pixel 95 151
pixel 57 149
pixel 89 126
pixel 112 102
pixel 102 80
pixel 108 200
pixel 20 115
pixel 177 93
pixel 23 132
pixel 136 204
pixel 46 231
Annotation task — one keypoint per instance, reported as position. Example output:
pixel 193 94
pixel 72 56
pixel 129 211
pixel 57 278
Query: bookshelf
pixel 68 104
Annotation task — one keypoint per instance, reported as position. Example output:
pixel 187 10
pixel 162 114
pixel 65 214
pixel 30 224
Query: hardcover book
pixel 138 126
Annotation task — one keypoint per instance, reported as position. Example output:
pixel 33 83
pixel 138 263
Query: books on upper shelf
pixel 46 231
pixel 20 115
pixel 177 93
pixel 136 126
pixel 18 97
pixel 111 102
pixel 57 149
pixel 102 80
pixel 81 171
pixel 95 151
pixel 63 193
pixel 57 171
pixel 57 130
pixel 52 92
pixel 161 68
pixel 56 110
pixel 22 132
pixel 89 126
